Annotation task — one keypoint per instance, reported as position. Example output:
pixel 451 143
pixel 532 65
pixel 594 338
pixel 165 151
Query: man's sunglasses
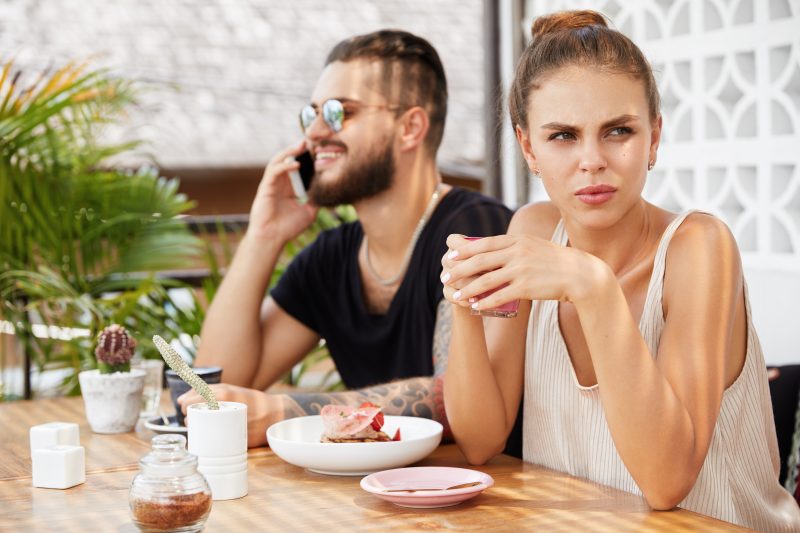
pixel 333 113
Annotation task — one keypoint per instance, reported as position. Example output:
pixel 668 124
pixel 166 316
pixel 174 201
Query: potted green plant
pixel 112 392
pixel 83 243
pixel 83 240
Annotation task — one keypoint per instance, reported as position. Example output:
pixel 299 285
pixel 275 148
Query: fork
pixel 459 486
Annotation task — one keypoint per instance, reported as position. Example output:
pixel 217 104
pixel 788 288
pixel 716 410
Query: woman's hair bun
pixel 566 20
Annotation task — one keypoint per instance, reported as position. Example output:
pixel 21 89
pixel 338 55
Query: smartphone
pixel 301 179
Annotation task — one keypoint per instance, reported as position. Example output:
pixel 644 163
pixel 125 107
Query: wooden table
pixel 283 497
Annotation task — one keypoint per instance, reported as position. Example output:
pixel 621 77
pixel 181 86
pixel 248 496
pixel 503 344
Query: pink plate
pixel 426 477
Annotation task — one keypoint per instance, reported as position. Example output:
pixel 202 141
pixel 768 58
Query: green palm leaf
pixel 80 241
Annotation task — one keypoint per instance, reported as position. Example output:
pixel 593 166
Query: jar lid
pixel 168 457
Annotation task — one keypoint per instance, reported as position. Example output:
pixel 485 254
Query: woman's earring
pixel 535 172
pixel 650 165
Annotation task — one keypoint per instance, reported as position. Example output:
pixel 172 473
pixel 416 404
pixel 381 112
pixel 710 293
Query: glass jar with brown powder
pixel 169 494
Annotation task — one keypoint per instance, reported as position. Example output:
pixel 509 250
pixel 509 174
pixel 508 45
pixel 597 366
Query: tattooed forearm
pixel 422 396
pixel 409 397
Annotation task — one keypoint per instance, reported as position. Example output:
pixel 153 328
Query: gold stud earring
pixel 535 172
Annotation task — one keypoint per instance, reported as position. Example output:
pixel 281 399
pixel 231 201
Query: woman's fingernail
pixel 456 295
pixel 445 277
pixel 474 306
pixel 472 300
pixel 453 254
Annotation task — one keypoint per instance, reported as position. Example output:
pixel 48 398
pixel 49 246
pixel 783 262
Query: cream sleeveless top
pixel 565 428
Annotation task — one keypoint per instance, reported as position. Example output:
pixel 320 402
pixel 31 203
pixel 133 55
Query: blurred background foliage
pixel 84 244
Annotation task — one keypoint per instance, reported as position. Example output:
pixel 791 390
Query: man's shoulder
pixel 469 213
pixel 458 200
pixel 334 241
pixel 342 232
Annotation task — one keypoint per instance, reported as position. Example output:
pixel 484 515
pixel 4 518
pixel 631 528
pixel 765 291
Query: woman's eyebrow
pixel 616 121
pixel 622 119
pixel 558 126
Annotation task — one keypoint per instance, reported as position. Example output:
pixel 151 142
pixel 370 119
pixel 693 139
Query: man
pixel 371 289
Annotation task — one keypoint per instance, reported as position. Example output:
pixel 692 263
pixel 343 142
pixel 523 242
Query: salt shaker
pixel 58 461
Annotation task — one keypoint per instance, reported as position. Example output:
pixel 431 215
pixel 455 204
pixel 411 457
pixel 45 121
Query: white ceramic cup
pixel 223 461
pixel 227 486
pixel 219 440
pixel 217 433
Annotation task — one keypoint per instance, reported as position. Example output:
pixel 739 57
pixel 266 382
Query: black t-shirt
pixel 322 289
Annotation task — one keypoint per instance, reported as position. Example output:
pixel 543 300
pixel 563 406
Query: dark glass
pixel 210 374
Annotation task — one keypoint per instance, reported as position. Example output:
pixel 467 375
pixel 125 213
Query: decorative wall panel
pixel 729 75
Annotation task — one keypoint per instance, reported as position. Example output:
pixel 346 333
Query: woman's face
pixel 590 136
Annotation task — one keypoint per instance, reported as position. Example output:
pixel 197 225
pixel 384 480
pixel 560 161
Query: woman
pixel 634 345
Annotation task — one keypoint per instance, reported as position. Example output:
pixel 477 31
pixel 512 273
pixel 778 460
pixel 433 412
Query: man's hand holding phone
pixel 302 177
pixel 276 213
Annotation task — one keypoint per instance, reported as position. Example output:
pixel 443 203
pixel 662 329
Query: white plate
pixel 296 441
pixel 157 425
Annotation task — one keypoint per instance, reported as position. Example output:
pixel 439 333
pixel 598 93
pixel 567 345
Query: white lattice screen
pixel 729 75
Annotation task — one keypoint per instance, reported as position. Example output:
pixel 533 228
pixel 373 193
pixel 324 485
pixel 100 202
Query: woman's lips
pixel 596 194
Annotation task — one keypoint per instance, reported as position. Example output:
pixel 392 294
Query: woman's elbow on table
pixel 477 453
pixel 665 498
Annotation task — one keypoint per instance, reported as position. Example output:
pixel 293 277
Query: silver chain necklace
pixel 410 250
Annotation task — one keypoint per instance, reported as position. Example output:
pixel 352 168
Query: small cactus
pixel 115 348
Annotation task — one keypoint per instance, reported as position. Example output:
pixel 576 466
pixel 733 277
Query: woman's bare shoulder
pixel 702 254
pixel 538 219
pixel 703 235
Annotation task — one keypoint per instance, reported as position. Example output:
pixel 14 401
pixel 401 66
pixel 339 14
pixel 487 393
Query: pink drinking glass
pixel 507 310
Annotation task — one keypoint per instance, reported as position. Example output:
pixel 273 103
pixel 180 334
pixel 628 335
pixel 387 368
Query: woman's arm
pixel 662 412
pixel 484 378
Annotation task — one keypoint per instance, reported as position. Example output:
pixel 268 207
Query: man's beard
pixel 359 180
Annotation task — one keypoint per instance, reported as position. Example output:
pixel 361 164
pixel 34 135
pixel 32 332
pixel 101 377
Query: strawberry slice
pixel 377 422
pixel 396 435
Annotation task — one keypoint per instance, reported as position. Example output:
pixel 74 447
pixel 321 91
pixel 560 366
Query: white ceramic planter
pixel 219 440
pixel 112 400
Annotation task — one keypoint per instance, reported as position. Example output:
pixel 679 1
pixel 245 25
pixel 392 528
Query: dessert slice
pixel 354 424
